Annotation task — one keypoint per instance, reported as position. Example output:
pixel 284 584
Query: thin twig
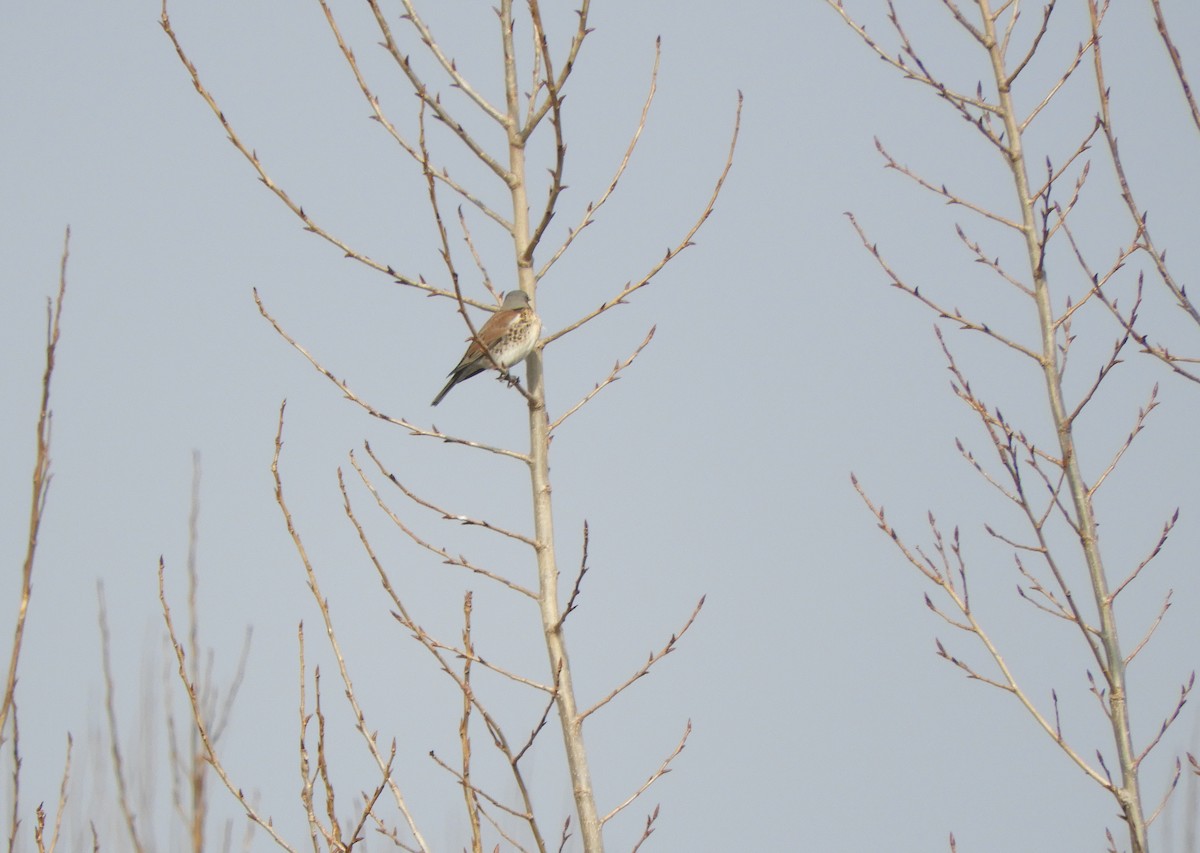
pixel 644 669
pixel 663 770
pixel 251 157
pixel 671 253
pixel 612 377
pixel 323 606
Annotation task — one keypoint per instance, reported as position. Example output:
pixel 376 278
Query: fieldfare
pixel 509 335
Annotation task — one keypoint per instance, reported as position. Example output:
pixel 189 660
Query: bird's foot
pixel 510 378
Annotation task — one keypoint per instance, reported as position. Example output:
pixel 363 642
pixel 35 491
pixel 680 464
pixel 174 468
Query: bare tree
pixel 1044 474
pixel 463 114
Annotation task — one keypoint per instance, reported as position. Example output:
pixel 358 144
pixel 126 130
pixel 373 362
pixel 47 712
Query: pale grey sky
pixel 718 465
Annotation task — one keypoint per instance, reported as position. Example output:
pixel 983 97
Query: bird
pixel 509 335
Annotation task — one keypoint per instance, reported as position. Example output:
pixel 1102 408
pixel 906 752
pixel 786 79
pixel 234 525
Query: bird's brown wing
pixel 489 334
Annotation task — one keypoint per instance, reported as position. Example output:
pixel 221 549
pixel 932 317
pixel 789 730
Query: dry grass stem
pixel 14 824
pixel 39 831
pixel 39 490
pixel 114 734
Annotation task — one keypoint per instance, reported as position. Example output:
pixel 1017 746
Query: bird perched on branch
pixel 509 335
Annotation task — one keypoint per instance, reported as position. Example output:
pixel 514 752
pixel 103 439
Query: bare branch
pixel 1047 10
pixel 991 263
pixel 940 190
pixel 1136 213
pixel 323 606
pixel 448 65
pixel 1057 87
pixel 1112 362
pixel 202 726
pixel 594 207
pixel 350 395
pixel 1162 611
pixel 252 158
pixel 1007 682
pixel 608 380
pixel 648 830
pixel 445 555
pixel 945 313
pixel 1138 426
pixel 1166 794
pixel 444 513
pixel 437 649
pixel 581 32
pixel 683 244
pixel 644 669
pixel 378 114
pixel 1184 691
pixel 433 101
pixel 663 770
pixel 577 586
pixel 1165 34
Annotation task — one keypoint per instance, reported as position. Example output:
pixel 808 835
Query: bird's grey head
pixel 515 300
